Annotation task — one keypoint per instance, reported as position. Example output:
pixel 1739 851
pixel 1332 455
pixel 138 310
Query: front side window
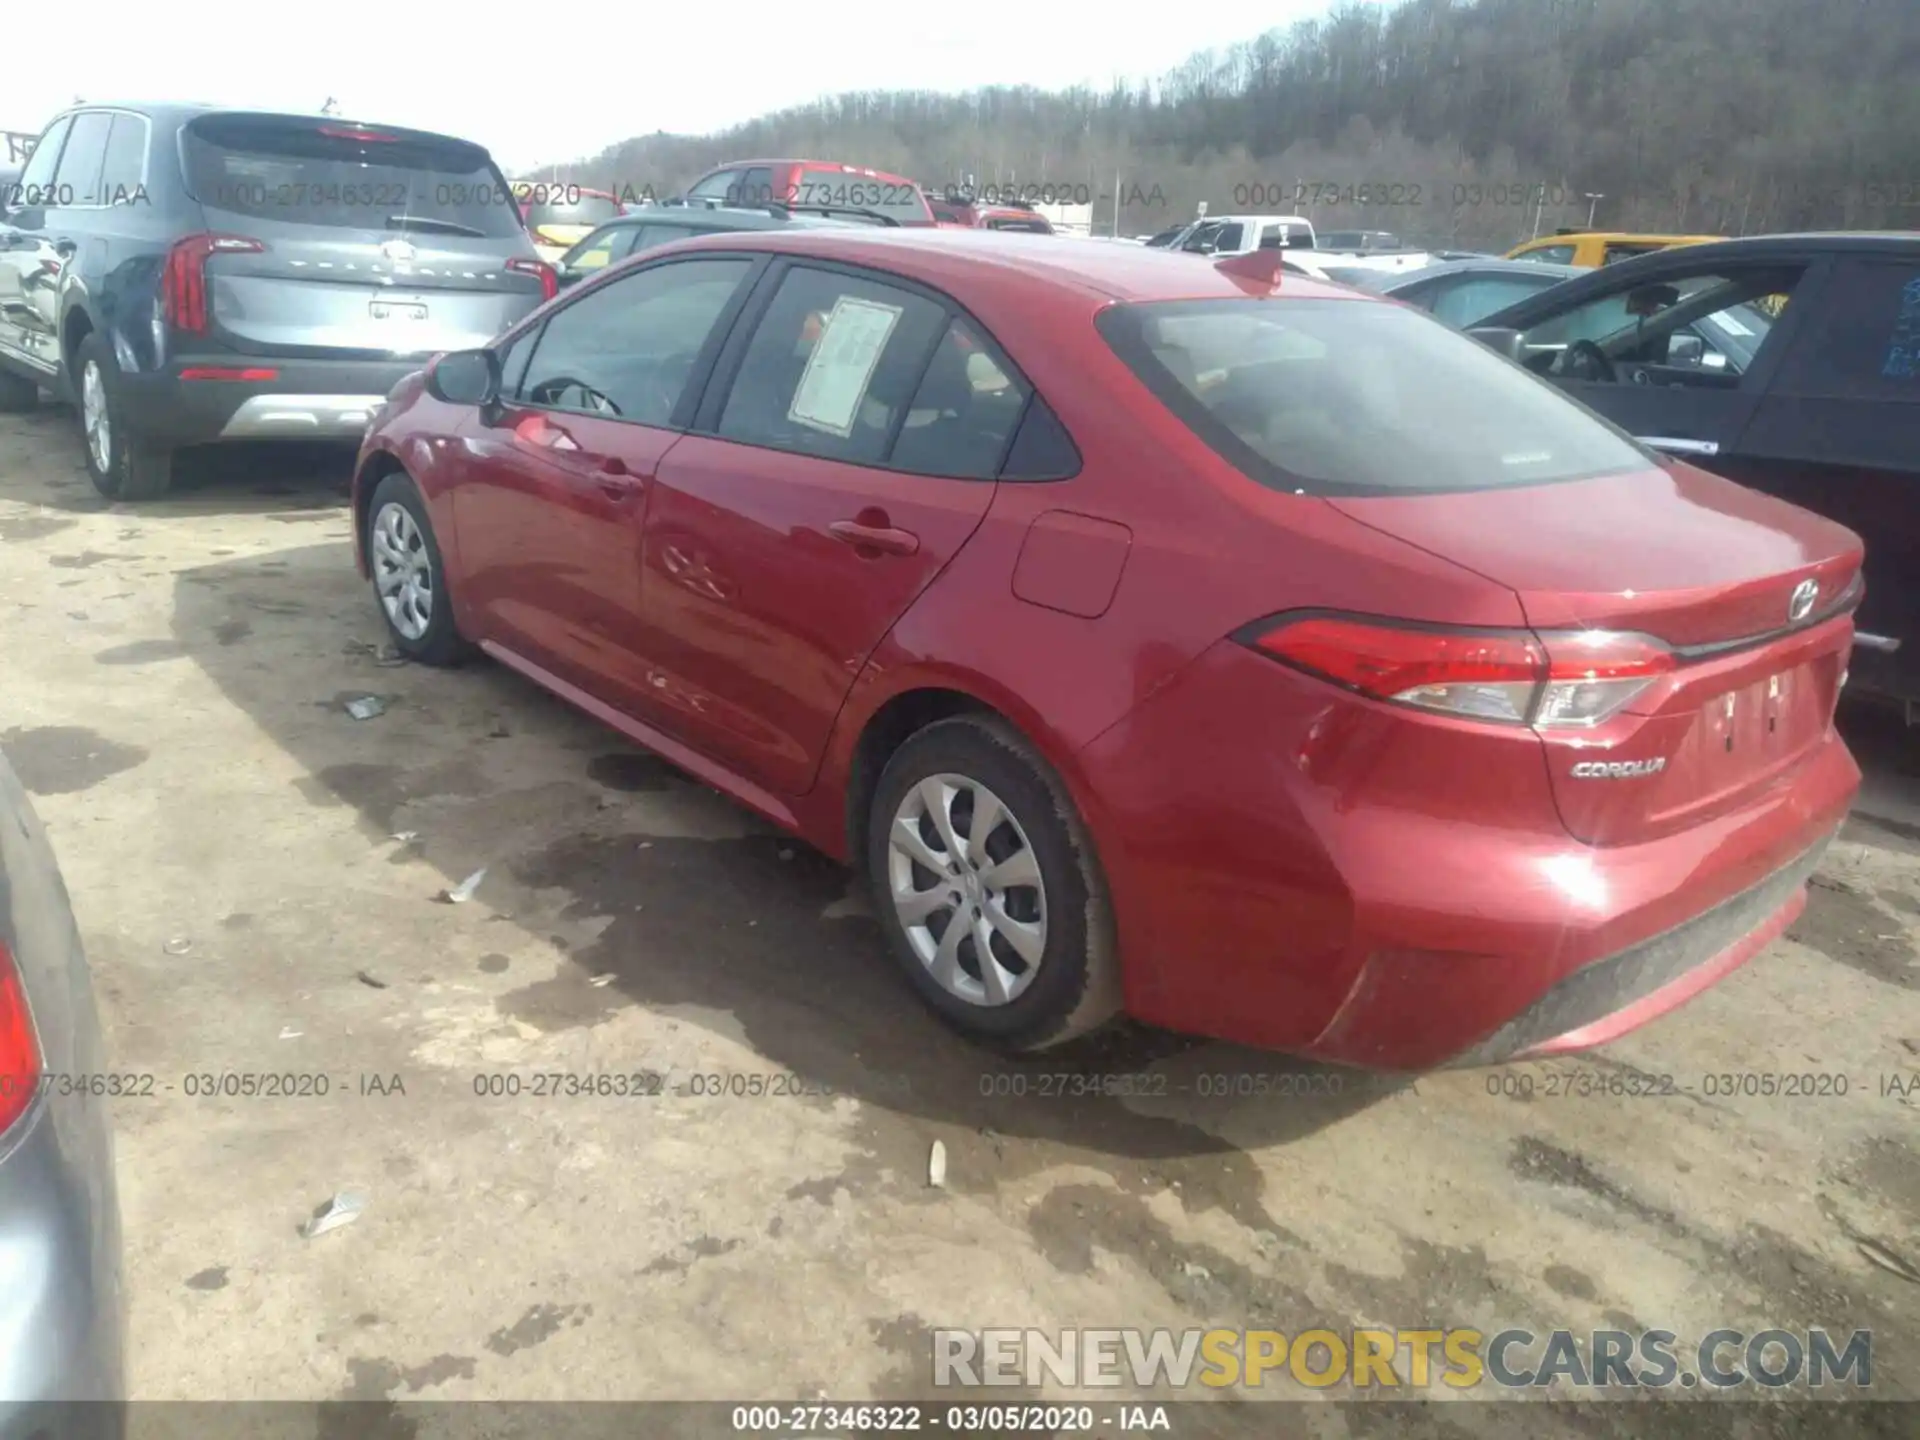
pixel 36 188
pixel 1352 397
pixel 1549 255
pixel 1729 315
pixel 832 367
pixel 628 349
pixel 79 179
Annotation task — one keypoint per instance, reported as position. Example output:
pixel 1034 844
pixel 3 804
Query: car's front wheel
pixel 409 576
pixel 986 883
pixel 122 464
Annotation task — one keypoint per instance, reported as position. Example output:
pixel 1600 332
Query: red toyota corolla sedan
pixel 1262 659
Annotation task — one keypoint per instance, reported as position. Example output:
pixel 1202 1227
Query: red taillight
pixel 19 1051
pixel 354 132
pixel 1511 677
pixel 548 277
pixel 183 283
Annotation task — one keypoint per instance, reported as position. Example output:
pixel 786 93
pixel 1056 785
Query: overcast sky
pixel 537 83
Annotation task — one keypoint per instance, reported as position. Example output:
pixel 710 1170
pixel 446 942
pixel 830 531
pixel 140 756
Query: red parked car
pixel 1258 657
pixel 958 212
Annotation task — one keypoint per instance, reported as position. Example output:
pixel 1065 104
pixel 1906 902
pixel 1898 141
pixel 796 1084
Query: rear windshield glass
pixel 568 205
pixel 899 200
pixel 326 173
pixel 1354 398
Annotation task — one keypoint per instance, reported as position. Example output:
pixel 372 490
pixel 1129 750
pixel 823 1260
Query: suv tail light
pixel 183 283
pixel 548 277
pixel 1559 680
pixel 19 1051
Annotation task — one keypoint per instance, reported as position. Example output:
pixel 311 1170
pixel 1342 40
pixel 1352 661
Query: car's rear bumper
pixel 304 400
pixel 1293 869
pixel 62 1311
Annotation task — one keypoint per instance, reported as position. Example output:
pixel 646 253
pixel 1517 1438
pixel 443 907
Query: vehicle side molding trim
pixel 1679 445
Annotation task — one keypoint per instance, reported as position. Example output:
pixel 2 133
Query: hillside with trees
pixel 1475 122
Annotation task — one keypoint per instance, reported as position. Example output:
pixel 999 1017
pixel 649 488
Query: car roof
pixel 948 258
pixel 1749 248
pixel 1488 267
pixel 1660 235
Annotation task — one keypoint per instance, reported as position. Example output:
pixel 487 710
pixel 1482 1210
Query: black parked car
pixel 663 224
pixel 187 274
pixel 1790 363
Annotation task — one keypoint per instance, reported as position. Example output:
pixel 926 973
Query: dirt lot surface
pixel 173 696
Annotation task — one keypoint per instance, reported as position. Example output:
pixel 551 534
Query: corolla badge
pixel 1800 605
pixel 1618 769
pixel 398 251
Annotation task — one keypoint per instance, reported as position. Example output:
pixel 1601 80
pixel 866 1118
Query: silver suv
pixel 187 275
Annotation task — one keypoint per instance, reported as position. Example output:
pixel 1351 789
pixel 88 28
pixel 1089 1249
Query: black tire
pixel 1075 986
pixel 18 395
pixel 136 469
pixel 441 643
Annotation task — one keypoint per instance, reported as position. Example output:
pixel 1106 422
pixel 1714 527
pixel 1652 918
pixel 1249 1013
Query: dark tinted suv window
pixel 627 349
pixel 126 167
pixel 1356 397
pixel 318 172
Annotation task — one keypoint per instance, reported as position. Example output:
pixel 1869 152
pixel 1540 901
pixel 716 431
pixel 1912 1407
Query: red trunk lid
pixel 1698 562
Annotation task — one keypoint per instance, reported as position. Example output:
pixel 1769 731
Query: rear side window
pixel 126 167
pixel 324 173
pixel 627 350
pixel 567 205
pixel 1347 397
pixel 964 414
pixel 832 367
pixel 1863 341
pixel 899 200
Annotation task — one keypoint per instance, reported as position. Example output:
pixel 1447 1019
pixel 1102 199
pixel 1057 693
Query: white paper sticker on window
pixel 842 364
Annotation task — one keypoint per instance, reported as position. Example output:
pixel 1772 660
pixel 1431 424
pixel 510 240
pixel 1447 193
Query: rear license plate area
pixel 396 310
pixel 1765 719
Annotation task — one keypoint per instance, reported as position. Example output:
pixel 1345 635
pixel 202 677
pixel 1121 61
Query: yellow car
pixel 1591 248
pixel 560 214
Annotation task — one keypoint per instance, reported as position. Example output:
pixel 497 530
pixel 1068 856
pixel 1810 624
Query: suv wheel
pixel 17 394
pixel 409 576
pixel 988 888
pixel 121 465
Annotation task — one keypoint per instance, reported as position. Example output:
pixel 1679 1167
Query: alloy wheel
pixel 403 570
pixel 967 888
pixel 93 414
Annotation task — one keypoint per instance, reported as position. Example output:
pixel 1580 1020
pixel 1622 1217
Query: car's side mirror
pixel 1687 350
pixel 465 377
pixel 1510 344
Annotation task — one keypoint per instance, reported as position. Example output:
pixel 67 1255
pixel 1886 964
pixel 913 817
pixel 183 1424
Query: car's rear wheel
pixel 17 394
pixel 409 577
pixel 989 890
pixel 121 464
